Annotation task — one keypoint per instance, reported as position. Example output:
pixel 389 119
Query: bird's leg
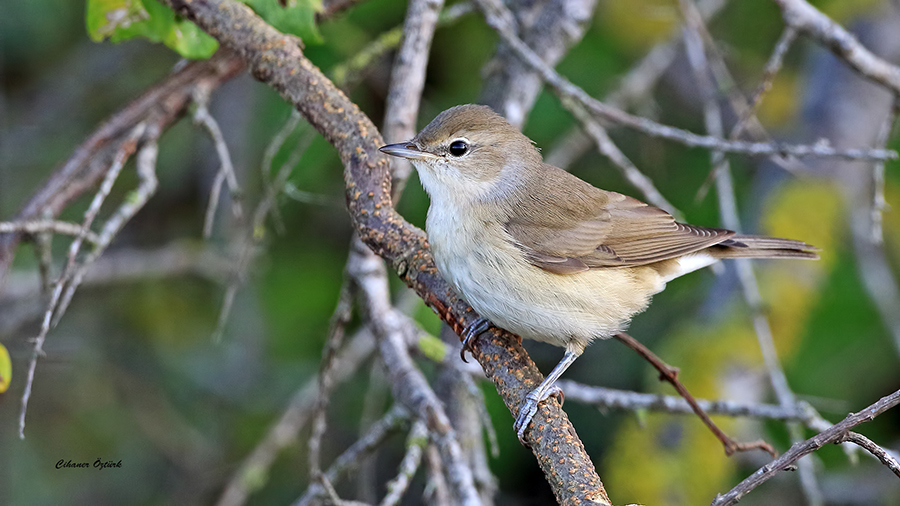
pixel 545 389
pixel 472 331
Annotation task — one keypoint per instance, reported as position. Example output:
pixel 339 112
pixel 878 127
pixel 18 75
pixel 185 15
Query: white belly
pixel 564 310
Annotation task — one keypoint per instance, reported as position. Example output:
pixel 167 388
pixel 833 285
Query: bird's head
pixel 469 149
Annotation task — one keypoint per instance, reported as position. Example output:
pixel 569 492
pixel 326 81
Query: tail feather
pixel 755 246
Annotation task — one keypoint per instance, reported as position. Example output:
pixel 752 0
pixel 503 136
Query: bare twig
pixel 670 374
pixel 284 431
pixel 729 215
pixel 272 149
pixel 834 434
pixel 549 28
pixel 43 246
pixel 436 490
pixel 636 84
pixel 377 393
pixel 347 73
pixel 43 226
pixel 52 313
pixel 254 235
pixel 808 20
pixel 878 202
pixel 890 461
pixel 390 424
pixel 609 149
pixel 134 202
pixel 339 321
pixel 225 173
pixel 160 106
pixel 408 80
pixel 500 19
pixel 127 265
pixel 408 382
pixel 415 442
pixel 770 70
pixel 607 398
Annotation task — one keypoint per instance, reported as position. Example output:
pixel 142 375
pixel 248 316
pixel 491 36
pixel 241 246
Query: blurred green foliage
pixel 120 20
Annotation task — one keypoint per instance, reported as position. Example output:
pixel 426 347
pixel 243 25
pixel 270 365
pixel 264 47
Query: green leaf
pixel 432 347
pixel 118 20
pixel 296 17
pixel 109 18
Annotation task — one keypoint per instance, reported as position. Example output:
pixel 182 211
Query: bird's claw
pixel 530 407
pixel 472 331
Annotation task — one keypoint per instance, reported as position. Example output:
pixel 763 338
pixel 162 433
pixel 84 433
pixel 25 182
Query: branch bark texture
pixel 277 60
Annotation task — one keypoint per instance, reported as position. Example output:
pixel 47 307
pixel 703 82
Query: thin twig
pixel 549 28
pixel 43 226
pixel 347 73
pixel 878 202
pixel 608 398
pixel 770 70
pixel 634 85
pixel 890 461
pixel 225 173
pixel 378 433
pixel 161 106
pixel 284 431
pixel 254 234
pixel 409 384
pixel 608 148
pixel 729 215
pixel 807 19
pixel 436 490
pixel 500 19
pixel 415 442
pixel 134 202
pixel 43 249
pixel 377 392
pixel 832 435
pixel 272 149
pixel 670 374
pixel 91 213
pixel 339 321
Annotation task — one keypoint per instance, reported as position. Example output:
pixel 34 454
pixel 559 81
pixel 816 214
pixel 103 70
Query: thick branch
pixel 277 60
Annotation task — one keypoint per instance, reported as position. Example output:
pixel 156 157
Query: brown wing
pixel 601 230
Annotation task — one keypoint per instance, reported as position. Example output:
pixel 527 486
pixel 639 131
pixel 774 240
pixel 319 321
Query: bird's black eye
pixel 459 148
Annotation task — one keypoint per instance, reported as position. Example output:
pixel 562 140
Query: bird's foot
pixel 530 407
pixel 472 331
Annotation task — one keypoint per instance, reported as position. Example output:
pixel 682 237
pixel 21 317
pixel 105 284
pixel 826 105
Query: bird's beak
pixel 406 150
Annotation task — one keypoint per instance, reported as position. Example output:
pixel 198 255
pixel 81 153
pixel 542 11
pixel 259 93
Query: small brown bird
pixel 543 254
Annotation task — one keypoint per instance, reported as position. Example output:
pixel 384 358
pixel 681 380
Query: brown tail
pixel 756 246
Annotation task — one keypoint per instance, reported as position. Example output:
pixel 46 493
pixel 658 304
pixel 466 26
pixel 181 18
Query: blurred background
pixel 134 373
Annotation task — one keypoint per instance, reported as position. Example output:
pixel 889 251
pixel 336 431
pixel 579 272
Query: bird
pixel 543 254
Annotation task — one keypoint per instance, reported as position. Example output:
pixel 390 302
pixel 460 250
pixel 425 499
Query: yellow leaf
pixel 639 24
pixel 5 369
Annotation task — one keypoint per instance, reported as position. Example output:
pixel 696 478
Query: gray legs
pixel 546 389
